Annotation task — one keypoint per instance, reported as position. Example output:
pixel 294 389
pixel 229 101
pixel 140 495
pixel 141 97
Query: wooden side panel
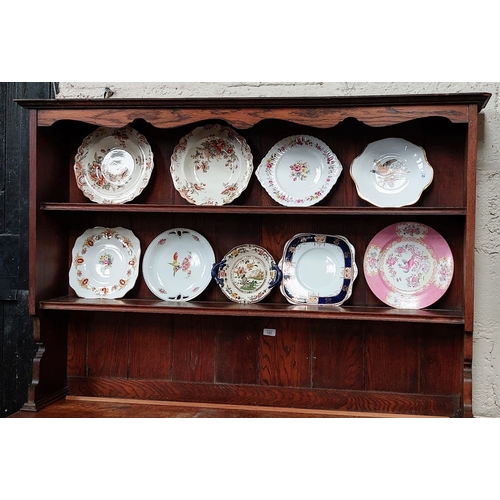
pixel 470 226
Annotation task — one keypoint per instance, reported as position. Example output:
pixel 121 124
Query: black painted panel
pixel 16 342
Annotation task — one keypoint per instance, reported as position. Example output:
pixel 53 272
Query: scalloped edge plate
pixel 212 165
pixel 105 263
pixel 113 165
pixel 299 171
pixel 391 173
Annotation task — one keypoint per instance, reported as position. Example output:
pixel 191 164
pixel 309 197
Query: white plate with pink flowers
pixel 177 264
pixel 408 265
pixel 105 263
pixel 299 171
pixel 211 165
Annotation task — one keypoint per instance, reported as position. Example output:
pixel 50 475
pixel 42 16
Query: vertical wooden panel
pixel 150 355
pixel 237 350
pixel 470 227
pixel 392 361
pixel 193 349
pixel 285 360
pixel 337 355
pixel 108 345
pixel 77 344
pixel 441 361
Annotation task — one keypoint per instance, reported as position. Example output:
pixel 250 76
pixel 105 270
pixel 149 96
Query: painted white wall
pixel 486 361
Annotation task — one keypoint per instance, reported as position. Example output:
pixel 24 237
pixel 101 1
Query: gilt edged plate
pixel 105 263
pixel 318 269
pixel 408 265
pixel 391 172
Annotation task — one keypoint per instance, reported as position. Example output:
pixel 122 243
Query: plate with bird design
pixel 408 265
pixel 247 274
pixel 177 264
pixel 391 172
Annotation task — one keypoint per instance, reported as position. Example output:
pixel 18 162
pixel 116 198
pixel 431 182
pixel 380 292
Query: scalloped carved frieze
pixel 244 118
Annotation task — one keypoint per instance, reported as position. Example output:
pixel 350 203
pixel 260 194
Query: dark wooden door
pixel 16 344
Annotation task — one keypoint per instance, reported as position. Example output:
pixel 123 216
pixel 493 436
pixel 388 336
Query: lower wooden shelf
pixel 363 313
pixel 92 407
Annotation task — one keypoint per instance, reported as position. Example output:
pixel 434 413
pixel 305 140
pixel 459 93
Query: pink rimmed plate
pixel 408 265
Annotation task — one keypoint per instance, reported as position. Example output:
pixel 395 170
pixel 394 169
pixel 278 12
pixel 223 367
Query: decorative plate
pixel 211 165
pixel 113 165
pixel 177 264
pixel 105 263
pixel 247 274
pixel 299 171
pixel 408 265
pixel 318 269
pixel 391 173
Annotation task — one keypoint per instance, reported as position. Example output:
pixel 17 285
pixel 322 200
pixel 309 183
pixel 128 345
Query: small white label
pixel 271 332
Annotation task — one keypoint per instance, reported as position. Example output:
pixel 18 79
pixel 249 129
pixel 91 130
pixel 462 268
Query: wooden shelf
pixel 259 310
pixel 249 210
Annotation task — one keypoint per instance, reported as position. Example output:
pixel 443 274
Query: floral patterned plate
pixel 318 269
pixel 247 274
pixel 105 263
pixel 299 171
pixel 391 173
pixel 408 265
pixel 113 165
pixel 211 165
pixel 177 264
